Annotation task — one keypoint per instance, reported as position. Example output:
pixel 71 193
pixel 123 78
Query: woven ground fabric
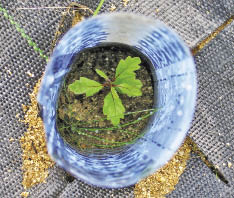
pixel 212 127
pixel 198 181
pixel 193 20
pixel 78 189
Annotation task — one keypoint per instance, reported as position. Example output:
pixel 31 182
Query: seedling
pixel 124 82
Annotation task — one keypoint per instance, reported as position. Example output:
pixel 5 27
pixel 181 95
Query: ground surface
pixel 78 111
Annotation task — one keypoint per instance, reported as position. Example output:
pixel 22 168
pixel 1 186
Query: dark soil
pixel 80 119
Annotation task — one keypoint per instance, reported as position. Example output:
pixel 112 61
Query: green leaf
pixel 102 74
pixel 113 107
pixel 132 87
pixel 126 82
pixel 127 67
pixel 85 86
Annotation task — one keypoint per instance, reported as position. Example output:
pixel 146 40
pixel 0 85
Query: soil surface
pixel 80 119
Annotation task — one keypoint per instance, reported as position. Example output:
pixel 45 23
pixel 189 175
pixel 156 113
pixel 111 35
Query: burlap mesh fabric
pixel 197 181
pixel 215 104
pixel 212 128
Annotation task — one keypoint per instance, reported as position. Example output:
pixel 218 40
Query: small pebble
pixel 112 8
pixel 125 2
pixel 30 74
pixel 9 72
pixel 24 194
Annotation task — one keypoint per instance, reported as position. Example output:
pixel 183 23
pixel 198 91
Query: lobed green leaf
pixel 102 74
pixel 126 82
pixel 127 67
pixel 85 86
pixel 131 88
pixel 113 107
